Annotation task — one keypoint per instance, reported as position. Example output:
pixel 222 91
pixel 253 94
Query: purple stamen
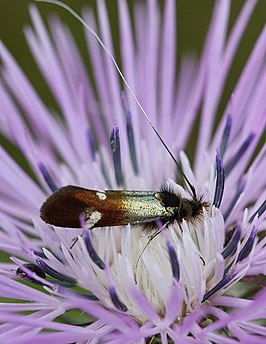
pixel 239 154
pixel 33 268
pixel 53 273
pixel 115 299
pixel 226 270
pixel 47 177
pixel 92 253
pixel 92 144
pixel 219 187
pixel 260 211
pixel 39 254
pixel 226 133
pixel 115 146
pixel 130 134
pixel 245 250
pixel 174 261
pixel 232 245
pixel 218 286
pixel 248 245
pixel 239 190
pixel 171 251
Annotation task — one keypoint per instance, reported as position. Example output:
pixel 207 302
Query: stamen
pixel 248 245
pixel 92 144
pixel 53 273
pixel 39 254
pixel 174 261
pixel 245 250
pixel 240 188
pixel 115 299
pixel 232 245
pixel 32 267
pixel 115 146
pixel 239 154
pixel 226 270
pixel 218 286
pixel 260 211
pixel 219 188
pixel 226 133
pixel 92 253
pixel 47 177
pixel 130 134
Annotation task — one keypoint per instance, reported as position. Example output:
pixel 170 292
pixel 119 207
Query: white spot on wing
pixel 93 219
pixel 102 195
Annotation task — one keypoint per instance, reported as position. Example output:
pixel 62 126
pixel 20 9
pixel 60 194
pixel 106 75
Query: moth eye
pixel 186 211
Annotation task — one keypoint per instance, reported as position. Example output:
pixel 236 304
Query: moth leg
pixel 150 238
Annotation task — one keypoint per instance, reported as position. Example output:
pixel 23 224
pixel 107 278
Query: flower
pixel 197 279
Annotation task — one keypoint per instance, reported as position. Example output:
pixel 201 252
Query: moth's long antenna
pixel 90 29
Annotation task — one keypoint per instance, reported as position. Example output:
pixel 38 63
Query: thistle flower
pixel 197 281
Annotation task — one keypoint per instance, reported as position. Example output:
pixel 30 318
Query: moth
pixel 103 208
pixel 120 207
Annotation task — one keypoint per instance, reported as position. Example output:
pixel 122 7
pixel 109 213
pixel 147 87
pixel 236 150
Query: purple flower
pixel 197 281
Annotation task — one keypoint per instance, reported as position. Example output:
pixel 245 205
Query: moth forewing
pixel 112 207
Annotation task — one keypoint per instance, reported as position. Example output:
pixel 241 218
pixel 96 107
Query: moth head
pixel 186 210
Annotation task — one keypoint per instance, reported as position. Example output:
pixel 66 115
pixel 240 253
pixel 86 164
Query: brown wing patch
pixel 64 207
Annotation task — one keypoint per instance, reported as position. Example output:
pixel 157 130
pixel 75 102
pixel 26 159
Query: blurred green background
pixel 192 23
